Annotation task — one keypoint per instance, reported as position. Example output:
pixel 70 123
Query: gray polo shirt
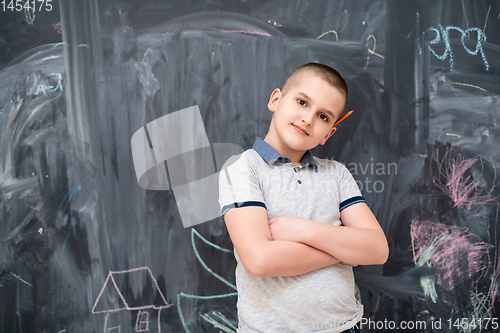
pixel 318 189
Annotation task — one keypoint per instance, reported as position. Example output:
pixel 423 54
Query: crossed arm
pixel 288 246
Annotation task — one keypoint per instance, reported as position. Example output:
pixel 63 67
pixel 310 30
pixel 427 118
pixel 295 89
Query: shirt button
pixel 295 169
pixel 299 182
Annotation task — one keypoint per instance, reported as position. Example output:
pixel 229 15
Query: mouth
pixel 300 130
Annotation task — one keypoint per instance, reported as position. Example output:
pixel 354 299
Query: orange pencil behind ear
pixel 345 116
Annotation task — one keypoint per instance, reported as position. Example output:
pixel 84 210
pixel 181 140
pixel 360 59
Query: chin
pixel 295 144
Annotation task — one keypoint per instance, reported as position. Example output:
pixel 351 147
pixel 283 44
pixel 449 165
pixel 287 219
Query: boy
pixel 298 223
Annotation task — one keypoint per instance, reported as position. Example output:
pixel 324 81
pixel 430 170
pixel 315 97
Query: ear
pixel 273 100
pixel 328 136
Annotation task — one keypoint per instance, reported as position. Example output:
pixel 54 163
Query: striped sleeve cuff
pixel 242 204
pixel 351 201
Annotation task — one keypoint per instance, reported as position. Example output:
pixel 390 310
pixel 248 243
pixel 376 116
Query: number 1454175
pixel 33 5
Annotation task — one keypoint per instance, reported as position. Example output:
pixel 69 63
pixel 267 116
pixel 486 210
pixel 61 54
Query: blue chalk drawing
pixel 194 234
pixel 448 53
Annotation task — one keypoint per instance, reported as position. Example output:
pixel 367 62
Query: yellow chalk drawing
pixel 469 85
pixel 326 33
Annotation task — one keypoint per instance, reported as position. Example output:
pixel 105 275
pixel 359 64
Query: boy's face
pixel 304 116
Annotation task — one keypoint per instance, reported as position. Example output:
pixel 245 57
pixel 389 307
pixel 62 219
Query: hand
pixel 288 228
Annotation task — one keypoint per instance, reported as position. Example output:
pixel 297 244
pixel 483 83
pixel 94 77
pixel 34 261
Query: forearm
pixel 287 258
pixel 357 246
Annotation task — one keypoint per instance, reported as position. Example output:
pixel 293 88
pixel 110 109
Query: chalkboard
pixel 85 248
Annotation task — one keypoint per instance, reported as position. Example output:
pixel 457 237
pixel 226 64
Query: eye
pixel 323 117
pixel 300 102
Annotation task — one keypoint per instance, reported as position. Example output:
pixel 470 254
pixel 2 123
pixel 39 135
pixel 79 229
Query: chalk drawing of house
pixel 132 302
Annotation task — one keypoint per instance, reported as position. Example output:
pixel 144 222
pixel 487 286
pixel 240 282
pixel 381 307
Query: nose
pixel 307 117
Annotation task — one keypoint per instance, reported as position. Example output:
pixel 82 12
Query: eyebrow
pixel 309 98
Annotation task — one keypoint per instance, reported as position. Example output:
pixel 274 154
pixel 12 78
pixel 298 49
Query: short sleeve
pixel 239 184
pixel 349 189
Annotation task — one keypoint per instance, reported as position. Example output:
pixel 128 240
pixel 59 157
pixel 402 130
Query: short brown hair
pixel 325 72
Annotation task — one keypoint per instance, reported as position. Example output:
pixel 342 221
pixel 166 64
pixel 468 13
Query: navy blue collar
pixel 270 155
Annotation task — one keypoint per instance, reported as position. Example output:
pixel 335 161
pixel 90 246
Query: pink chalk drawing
pixel 119 295
pixel 468 193
pixel 57 27
pixel 495 280
pixel 451 179
pixel 450 251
